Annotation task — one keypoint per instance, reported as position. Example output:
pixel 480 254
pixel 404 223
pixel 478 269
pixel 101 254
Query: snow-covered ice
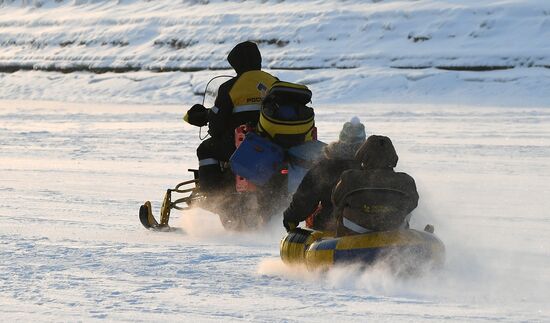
pixel 79 152
pixel 74 175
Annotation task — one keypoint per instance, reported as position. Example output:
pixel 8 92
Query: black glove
pixel 289 225
pixel 197 115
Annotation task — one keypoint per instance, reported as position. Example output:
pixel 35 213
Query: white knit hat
pixel 353 131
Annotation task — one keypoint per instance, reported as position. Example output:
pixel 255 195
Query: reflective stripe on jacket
pixel 249 90
pixel 238 102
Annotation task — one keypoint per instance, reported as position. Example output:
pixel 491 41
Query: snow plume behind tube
pixel 378 279
pixel 487 261
pixel 474 273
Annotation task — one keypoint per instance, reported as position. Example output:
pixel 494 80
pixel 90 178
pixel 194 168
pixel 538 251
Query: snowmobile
pixel 267 166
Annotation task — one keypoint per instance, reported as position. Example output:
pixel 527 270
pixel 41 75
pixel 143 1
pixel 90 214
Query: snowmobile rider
pixel 374 198
pixel 237 103
pixel 312 199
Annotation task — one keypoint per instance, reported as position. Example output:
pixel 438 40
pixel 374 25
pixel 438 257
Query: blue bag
pixel 257 159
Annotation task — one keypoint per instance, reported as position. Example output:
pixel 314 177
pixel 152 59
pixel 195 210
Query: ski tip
pixel 144 215
pixel 148 220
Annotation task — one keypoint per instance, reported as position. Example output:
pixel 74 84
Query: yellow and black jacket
pixel 239 99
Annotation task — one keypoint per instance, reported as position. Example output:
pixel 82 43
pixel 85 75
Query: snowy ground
pixel 74 175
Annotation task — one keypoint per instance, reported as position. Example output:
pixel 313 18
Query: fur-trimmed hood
pixel 341 150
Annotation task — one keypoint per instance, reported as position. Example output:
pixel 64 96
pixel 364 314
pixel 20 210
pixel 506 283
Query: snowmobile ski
pixel 148 220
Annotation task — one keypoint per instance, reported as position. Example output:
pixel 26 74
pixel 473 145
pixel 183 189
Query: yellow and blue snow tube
pixel 405 250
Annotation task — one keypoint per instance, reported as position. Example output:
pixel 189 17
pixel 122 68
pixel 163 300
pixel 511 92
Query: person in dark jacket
pixel 374 198
pixel 237 103
pixel 313 194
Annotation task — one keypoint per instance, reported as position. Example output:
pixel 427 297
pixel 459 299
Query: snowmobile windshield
pixel 211 91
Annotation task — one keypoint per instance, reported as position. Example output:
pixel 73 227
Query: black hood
pixel 245 57
pixel 377 152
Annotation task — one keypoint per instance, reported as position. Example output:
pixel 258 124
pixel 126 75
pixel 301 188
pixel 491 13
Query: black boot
pixel 210 179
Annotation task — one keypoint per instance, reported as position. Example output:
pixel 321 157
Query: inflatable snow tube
pixel 405 251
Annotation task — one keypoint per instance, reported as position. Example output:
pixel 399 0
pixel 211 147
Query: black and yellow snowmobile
pixel 267 166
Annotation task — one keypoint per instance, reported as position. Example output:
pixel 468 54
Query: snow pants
pixel 211 152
